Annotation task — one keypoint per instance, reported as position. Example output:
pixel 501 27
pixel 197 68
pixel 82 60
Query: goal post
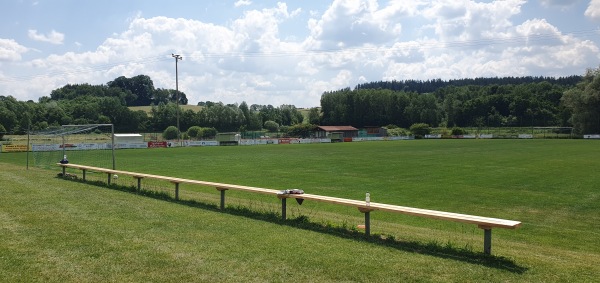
pixel 89 144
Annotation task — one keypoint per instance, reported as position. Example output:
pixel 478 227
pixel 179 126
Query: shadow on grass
pixel 447 251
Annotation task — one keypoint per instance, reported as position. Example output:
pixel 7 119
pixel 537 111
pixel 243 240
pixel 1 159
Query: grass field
pixel 148 109
pixel 58 230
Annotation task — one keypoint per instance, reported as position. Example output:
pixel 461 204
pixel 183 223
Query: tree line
pixel 109 104
pixel 494 102
pixel 519 102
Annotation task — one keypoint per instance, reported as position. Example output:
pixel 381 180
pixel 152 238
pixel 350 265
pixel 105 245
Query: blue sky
pixel 274 52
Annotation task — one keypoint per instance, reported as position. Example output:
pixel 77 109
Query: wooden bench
pixel 485 223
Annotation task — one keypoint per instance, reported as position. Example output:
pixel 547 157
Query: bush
pixel 2 131
pixel 457 131
pixel 195 132
pixel 398 132
pixel 271 126
pixel 419 130
pixel 301 130
pixel 209 133
pixel 170 133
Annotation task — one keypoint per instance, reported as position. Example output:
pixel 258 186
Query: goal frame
pixel 112 138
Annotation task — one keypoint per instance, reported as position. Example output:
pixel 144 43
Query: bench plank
pixel 485 223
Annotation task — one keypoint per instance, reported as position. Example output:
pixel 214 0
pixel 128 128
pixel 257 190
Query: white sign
pixel 591 136
pixel 436 136
pixel 201 143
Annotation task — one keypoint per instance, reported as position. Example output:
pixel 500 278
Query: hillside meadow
pixel 64 230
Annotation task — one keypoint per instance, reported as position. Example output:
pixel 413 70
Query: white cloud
pixel 562 3
pixel 354 41
pixel 593 10
pixel 242 3
pixel 10 50
pixel 53 37
pixel 469 20
pixel 352 23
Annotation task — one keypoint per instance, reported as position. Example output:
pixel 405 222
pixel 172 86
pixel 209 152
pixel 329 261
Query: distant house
pixel 326 131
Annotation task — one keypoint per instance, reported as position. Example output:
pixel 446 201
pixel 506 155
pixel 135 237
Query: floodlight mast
pixel 177 58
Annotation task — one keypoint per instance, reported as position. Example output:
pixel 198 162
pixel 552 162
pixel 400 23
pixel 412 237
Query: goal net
pixel 90 145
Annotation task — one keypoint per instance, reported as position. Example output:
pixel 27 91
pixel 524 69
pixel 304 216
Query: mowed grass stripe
pixel 65 231
pixel 550 185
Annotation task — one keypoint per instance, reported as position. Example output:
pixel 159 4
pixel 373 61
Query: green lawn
pixel 148 109
pixel 58 230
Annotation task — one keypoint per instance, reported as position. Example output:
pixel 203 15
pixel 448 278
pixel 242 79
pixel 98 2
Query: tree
pixel 584 102
pixel 140 86
pixel 2 131
pixel 194 132
pixel 301 130
pixel 420 130
pixel 271 126
pixel 314 116
pixel 222 117
pixel 8 118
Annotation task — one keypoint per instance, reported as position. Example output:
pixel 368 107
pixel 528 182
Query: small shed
pixel 370 131
pixel 129 138
pixel 326 131
pixel 228 138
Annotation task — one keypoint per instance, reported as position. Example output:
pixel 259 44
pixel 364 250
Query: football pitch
pixel 60 230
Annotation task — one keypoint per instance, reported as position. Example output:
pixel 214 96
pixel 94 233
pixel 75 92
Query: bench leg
pixel 64 171
pixel 176 191
pixel 139 184
pixel 222 199
pixel 108 181
pixel 283 208
pixel 83 174
pixel 487 241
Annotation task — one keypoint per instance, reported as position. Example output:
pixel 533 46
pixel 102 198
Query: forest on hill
pixel 492 102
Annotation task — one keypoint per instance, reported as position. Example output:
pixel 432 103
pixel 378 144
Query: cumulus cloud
pixel 562 3
pixel 352 23
pixel 351 42
pixel 470 20
pixel 53 37
pixel 593 10
pixel 10 50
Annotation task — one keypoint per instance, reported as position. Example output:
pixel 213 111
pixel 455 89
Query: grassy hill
pixel 148 109
pixel 70 231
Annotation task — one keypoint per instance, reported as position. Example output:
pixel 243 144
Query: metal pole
pixel 28 130
pixel 177 58
pixel 63 145
pixel 112 129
